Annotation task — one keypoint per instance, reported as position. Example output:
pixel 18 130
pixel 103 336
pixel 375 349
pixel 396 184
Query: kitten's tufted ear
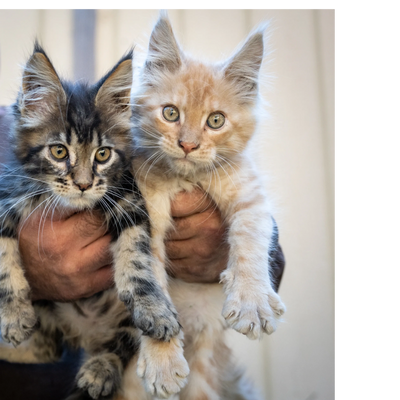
pixel 114 89
pixel 42 91
pixel 164 52
pixel 244 66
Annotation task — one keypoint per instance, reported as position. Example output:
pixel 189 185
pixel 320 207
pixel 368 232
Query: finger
pixel 101 280
pixel 194 225
pixel 181 249
pixel 96 255
pixel 78 230
pixel 85 227
pixel 188 203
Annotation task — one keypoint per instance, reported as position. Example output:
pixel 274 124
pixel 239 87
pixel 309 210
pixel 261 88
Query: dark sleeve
pixel 39 381
pixel 277 266
pixel 277 259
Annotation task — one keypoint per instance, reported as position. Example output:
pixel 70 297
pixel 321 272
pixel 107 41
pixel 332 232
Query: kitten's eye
pixel 215 120
pixel 59 152
pixel 103 154
pixel 171 113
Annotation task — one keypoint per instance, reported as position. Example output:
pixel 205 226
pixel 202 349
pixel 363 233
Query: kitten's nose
pixel 188 147
pixel 83 186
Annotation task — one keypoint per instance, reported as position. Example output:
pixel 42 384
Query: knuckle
pixel 68 268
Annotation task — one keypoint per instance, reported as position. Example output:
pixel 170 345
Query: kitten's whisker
pixel 147 161
pixel 151 166
pixel 111 213
pixel 229 164
pixel 24 198
pixel 26 218
pixel 125 199
pixel 54 208
pixel 226 173
pixel 42 222
pixel 123 212
pixel 27 177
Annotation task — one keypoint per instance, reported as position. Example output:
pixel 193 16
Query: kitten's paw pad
pixel 163 369
pixel 100 376
pixel 18 321
pixel 252 315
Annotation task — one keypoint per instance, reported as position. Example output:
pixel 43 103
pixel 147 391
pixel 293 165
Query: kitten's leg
pixel 39 348
pixel 252 306
pixel 16 311
pixel 45 344
pixel 101 375
pixel 153 312
pixel 161 365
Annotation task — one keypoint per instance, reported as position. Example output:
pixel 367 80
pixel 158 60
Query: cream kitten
pixel 192 125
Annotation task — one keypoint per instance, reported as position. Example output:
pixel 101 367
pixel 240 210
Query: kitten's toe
pixel 276 303
pixel 100 376
pixel 18 321
pixel 163 368
pixel 231 312
pixel 253 314
pixel 156 320
pixel 243 318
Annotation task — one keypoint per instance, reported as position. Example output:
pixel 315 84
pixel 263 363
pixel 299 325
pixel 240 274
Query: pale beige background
pixel 295 147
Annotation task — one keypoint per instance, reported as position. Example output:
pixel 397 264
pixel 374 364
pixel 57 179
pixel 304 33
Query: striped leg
pixel 100 377
pixel 16 311
pixel 138 288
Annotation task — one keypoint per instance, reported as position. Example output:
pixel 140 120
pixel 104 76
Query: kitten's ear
pixel 244 66
pixel 114 90
pixel 164 52
pixel 42 90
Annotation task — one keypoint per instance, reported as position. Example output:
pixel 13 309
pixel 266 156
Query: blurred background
pixel 294 149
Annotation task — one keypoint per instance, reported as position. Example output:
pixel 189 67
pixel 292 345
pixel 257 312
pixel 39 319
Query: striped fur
pixel 83 120
pixel 188 153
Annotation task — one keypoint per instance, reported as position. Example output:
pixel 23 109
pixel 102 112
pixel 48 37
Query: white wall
pixel 296 362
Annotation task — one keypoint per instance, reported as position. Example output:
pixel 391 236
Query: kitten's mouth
pixel 185 159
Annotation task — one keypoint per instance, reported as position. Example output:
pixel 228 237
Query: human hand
pixel 66 257
pixel 196 248
pixel 71 259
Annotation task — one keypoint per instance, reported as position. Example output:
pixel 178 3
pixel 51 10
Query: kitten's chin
pixel 183 166
pixel 79 202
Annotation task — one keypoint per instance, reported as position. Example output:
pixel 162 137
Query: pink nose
pixel 83 186
pixel 188 147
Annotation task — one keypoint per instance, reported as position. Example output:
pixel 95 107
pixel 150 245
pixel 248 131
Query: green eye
pixel 103 154
pixel 215 120
pixel 171 113
pixel 59 152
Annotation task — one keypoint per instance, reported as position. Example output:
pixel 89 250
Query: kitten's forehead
pixel 83 119
pixel 197 87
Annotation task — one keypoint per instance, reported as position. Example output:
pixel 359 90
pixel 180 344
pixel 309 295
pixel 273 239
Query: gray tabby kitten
pixel 72 150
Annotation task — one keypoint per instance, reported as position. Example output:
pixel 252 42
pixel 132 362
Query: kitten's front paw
pixel 156 320
pixel 100 376
pixel 162 367
pixel 17 321
pixel 253 313
pixel 155 316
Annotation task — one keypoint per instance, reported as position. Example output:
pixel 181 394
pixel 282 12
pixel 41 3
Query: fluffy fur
pixel 174 108
pixel 61 132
